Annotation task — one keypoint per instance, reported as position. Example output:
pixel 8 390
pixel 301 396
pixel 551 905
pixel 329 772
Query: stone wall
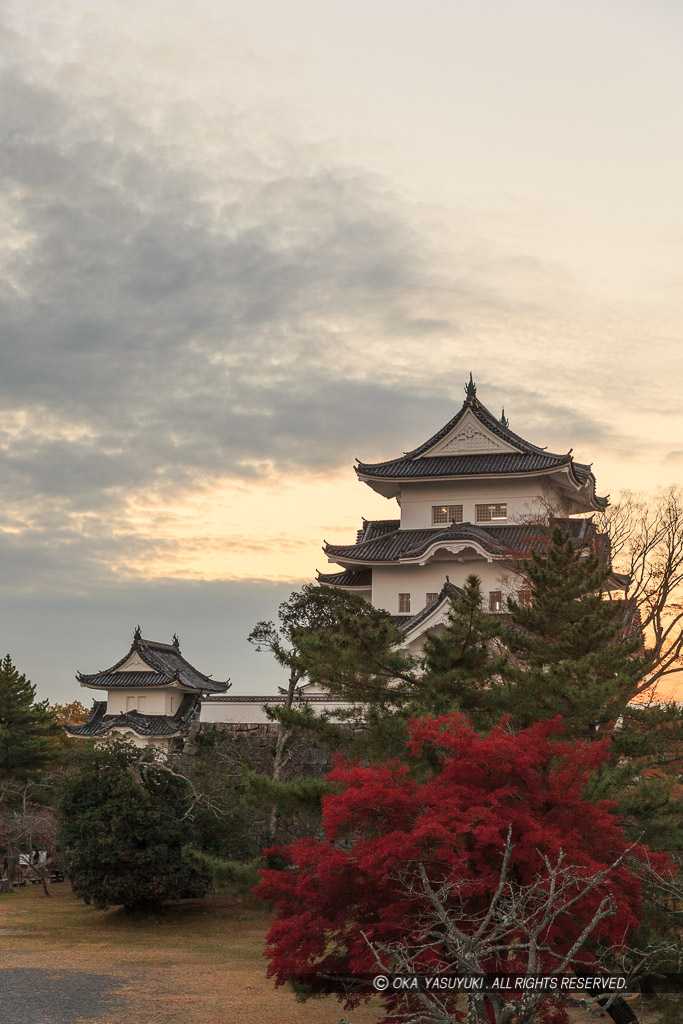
pixel 253 746
pixel 239 747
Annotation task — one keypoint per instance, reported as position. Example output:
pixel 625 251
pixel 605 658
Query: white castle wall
pixel 525 498
pixel 162 701
pixel 417 580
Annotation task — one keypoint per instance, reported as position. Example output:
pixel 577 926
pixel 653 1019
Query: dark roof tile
pixel 500 541
pixel 167 663
pixel 527 457
pixel 99 722
pixel 349 578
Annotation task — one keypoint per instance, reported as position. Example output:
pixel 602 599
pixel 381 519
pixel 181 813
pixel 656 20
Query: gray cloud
pixel 171 314
pixel 181 336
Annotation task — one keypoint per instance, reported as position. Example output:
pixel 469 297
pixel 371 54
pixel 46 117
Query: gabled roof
pixel 434 610
pixel 484 447
pixel 167 665
pixel 99 722
pixel 501 541
pixel 401 544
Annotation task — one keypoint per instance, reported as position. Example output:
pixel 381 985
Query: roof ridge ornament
pixel 471 388
pixel 176 641
pixel 137 635
pixel 505 422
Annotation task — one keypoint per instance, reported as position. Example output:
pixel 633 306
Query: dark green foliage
pixel 237 875
pixel 28 731
pixel 341 642
pixel 124 821
pixel 336 639
pixel 462 662
pixel 567 652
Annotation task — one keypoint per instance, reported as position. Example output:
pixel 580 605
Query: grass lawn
pixel 201 962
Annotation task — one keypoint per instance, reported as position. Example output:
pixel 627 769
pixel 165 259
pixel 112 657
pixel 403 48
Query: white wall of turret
pixel 525 498
pixel 419 580
pixel 160 701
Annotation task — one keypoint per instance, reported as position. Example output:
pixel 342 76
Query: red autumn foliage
pixel 382 825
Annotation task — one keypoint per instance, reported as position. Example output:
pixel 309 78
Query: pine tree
pixel 28 730
pixel 569 655
pixel 568 652
pixel 461 663
pixel 341 642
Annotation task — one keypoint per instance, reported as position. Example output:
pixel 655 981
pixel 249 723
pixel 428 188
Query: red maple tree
pixel 490 861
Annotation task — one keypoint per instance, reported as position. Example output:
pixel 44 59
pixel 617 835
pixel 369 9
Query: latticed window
pixel 491 513
pixel 404 602
pixel 495 601
pixel 524 597
pixel 446 514
pixel 429 597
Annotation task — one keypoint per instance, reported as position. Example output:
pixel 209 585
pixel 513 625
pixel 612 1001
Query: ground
pixel 199 962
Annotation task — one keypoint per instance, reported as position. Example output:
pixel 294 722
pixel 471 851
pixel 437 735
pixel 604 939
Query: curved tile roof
pixel 449 592
pixel 167 664
pixel 348 578
pixel 527 457
pixel 99 722
pixel 498 541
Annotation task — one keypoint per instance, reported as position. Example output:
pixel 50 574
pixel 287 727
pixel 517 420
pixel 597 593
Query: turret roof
pixel 99 722
pixel 512 456
pixel 168 667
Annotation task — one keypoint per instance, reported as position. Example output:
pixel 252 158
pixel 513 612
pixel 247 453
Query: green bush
pixel 124 820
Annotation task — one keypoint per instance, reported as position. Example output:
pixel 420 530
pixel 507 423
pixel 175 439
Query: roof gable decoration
pixel 453 547
pixel 134 664
pixel 469 437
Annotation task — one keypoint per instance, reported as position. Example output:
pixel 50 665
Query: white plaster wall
pixel 250 713
pixel 417 580
pixel 525 497
pixel 155 702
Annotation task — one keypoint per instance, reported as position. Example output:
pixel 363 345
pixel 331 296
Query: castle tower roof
pixel 476 444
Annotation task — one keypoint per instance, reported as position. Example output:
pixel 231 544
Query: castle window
pixel 446 514
pixel 404 602
pixel 429 597
pixel 495 601
pixel 497 513
pixel 524 597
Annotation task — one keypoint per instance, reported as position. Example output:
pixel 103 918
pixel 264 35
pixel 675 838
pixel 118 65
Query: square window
pixel 495 601
pixel 429 597
pixel 446 514
pixel 494 513
pixel 524 597
pixel 404 602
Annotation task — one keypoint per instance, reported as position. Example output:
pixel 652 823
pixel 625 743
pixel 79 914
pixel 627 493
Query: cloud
pixel 195 297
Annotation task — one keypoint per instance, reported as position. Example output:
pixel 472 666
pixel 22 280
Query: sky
pixel 246 243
